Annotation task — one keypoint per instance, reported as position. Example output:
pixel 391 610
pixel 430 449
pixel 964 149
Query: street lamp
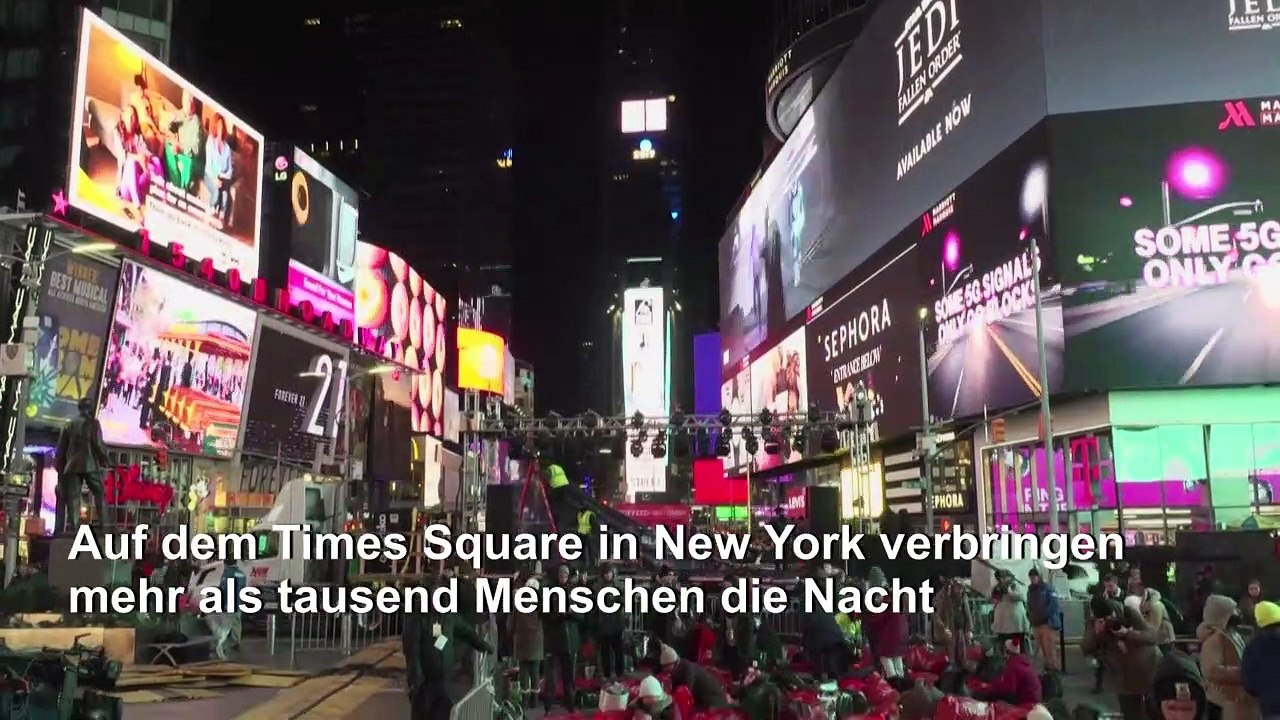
pixel 926 432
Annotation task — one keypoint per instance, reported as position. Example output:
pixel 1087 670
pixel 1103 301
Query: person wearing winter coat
pixel 1221 655
pixel 1153 611
pixel 560 634
pixel 886 632
pixel 737 638
pixel 1177 692
pixel 653 702
pixel 707 692
pixel 528 648
pixel 609 629
pixel 1126 649
pixel 1260 666
pixel 1044 612
pixel 1009 617
pixel 1018 683
pixel 952 621
pixel 663 628
pixel 1249 602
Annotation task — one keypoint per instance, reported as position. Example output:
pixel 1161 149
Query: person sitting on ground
pixel 708 693
pixel 653 702
pixel 1260 667
pixel 1018 683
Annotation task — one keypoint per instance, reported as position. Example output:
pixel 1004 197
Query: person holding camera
pixel 1126 649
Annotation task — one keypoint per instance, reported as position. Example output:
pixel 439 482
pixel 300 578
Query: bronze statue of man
pixel 81 460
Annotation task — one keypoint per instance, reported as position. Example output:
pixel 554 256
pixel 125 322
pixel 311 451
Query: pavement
pixel 346 694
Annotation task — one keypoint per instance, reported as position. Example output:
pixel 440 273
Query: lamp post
pixel 926 432
pixel 1050 461
pixel 28 303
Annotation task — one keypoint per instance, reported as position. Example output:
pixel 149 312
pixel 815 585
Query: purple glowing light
pixel 1126 201
pixel 1022 234
pixel 951 251
pixel 1196 173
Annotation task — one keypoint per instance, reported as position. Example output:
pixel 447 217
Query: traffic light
pixel 997 431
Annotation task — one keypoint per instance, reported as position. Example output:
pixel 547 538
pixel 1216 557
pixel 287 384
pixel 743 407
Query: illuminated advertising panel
pixel 75 317
pixel 402 318
pixel 644 377
pixel 150 150
pixel 866 331
pixel 176 367
pixel 954 83
pixel 977 275
pixel 297 381
pixel 481 361
pixel 1171 257
pixel 735 396
pixel 779 384
pixel 644 115
pixel 324 212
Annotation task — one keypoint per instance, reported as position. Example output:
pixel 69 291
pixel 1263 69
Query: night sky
pixel 558 173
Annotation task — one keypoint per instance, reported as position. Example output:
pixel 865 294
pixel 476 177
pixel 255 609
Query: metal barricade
pixel 478 704
pixel 335 633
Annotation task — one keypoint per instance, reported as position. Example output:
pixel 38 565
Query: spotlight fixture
pixel 766 418
pixel 659 446
pixel 772 445
pixel 723 449
pixel 637 448
pixel 637 421
pixel 726 417
pixel 815 415
pixel 829 441
pixel 553 420
pixel 591 419
pixel 749 441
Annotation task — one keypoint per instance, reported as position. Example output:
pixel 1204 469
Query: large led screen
pixel 397 307
pixel 1169 223
pixel 75 316
pixel 644 377
pixel 779 384
pixel 735 396
pixel 482 361
pixel 929 92
pixel 391 427
pixel 866 331
pixel 977 271
pixel 1158 52
pixel 151 150
pixel 177 362
pixel 324 213
pixel 297 382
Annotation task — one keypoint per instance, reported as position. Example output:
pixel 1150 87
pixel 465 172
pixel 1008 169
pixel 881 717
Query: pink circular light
pixel 1126 201
pixel 1022 234
pixel 1196 173
pixel 951 250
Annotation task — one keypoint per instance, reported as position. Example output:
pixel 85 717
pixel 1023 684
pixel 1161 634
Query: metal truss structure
pixel 594 425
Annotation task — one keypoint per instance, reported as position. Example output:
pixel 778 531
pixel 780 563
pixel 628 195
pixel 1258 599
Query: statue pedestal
pixel 65 573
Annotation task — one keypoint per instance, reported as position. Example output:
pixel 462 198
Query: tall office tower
pixel 38 46
pixel 437 134
pixel 642 139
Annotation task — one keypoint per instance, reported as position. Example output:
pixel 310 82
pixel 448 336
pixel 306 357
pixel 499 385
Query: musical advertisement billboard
pixel 1174 274
pixel 149 149
pixel 644 377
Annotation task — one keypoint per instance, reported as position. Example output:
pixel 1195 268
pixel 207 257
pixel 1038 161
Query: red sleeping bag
pixel 706 644
pixel 959 708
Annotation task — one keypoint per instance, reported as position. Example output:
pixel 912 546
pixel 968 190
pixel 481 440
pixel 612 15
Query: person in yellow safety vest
pixel 556 477
pixel 587 528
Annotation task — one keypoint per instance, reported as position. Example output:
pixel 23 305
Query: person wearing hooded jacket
pixel 707 692
pixel 1018 683
pixel 528 648
pixel 609 628
pixel 1009 616
pixel 1153 611
pixel 1221 655
pixel 1126 649
pixel 1260 666
pixel 654 702
pixel 1177 692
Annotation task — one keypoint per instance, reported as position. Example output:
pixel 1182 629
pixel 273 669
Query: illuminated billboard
pixel 482 359
pixel 780 384
pixel 324 213
pixel 402 318
pixel 149 149
pixel 644 115
pixel 177 363
pixel 644 378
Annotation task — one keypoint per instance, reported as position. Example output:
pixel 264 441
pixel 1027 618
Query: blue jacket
pixel 1260 667
pixel 1043 606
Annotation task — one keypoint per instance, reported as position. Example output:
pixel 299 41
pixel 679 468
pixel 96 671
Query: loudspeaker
pixel 500 519
pixel 822 504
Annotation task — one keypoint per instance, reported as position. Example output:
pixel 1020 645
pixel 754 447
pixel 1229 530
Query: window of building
pixel 23 15
pixel 311 22
pixel 21 63
pixel 451 24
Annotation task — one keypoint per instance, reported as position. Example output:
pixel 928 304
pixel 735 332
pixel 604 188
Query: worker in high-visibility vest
pixel 586 529
pixel 556 477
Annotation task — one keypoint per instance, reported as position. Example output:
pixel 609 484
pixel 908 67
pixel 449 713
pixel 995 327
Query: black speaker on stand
pixel 822 505
pixel 500 519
